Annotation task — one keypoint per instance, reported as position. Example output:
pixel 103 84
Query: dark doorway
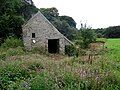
pixel 53 45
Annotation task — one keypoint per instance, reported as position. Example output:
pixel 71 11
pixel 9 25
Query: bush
pixel 71 50
pixel 12 43
pixel 38 83
pixel 42 82
pixel 10 74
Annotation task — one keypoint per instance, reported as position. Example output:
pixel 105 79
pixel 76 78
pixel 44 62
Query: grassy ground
pixel 113 46
pixel 23 70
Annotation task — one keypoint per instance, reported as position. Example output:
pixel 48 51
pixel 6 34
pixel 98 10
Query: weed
pixel 2 56
pixel 36 66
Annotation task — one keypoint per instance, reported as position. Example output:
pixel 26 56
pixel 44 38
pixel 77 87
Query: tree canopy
pixel 13 14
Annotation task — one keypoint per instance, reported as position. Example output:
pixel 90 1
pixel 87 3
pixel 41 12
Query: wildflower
pixel 89 70
pixel 80 71
pixel 0 81
pixel 97 77
pixel 106 73
pixel 26 84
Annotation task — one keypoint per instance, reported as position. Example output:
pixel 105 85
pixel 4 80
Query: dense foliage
pixel 100 32
pixel 13 14
pixel 87 36
pixel 112 32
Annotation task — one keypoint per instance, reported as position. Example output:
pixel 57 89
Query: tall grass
pixel 12 43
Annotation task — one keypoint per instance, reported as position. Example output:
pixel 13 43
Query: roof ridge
pixel 30 19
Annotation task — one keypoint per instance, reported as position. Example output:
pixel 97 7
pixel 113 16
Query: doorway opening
pixel 53 45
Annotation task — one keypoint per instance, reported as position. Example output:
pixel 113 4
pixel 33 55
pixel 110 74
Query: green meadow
pixel 113 46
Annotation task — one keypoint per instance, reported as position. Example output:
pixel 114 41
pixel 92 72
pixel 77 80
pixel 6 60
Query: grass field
pixel 113 46
pixel 23 70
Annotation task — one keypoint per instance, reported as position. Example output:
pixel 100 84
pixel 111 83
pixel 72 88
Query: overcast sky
pixel 96 13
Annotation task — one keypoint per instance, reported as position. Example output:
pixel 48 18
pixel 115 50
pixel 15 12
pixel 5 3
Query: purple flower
pixel 0 81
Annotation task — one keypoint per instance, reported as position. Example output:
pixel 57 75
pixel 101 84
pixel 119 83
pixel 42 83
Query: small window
pixel 33 35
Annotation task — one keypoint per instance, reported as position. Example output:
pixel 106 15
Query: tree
pixel 9 7
pixel 11 25
pixel 50 13
pixel 68 19
pixel 4 26
pixel 27 10
pixel 112 32
pixel 100 32
pixel 12 16
pixel 86 36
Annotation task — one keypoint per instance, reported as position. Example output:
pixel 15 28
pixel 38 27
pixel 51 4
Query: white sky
pixel 96 13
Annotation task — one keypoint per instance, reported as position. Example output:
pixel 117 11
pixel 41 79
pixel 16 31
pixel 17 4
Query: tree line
pixel 110 32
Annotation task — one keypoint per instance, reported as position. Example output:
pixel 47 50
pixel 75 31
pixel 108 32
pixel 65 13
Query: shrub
pixel 12 43
pixel 11 73
pixel 42 82
pixel 38 83
pixel 71 50
pixel 86 36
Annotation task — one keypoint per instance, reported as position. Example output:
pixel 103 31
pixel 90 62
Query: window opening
pixel 33 35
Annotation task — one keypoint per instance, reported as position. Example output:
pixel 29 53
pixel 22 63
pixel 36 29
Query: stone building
pixel 39 33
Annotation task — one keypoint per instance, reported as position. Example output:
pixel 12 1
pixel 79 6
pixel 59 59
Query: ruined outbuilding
pixel 39 33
